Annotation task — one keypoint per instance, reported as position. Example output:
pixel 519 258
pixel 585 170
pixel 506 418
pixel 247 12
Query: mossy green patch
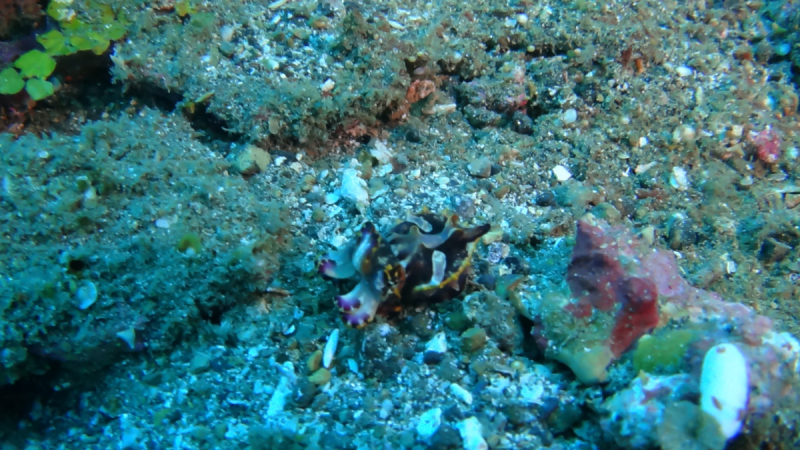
pixel 54 43
pixel 38 88
pixel 11 81
pixel 35 64
pixel 663 351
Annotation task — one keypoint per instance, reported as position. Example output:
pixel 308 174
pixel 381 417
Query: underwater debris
pixel 425 259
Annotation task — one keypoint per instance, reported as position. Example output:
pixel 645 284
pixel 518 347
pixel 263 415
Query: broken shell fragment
pixel 86 295
pixel 330 349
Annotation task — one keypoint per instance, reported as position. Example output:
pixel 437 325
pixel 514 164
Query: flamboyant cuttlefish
pixel 424 259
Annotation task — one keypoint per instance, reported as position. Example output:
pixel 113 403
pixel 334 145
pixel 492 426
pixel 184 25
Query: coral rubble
pixel 425 259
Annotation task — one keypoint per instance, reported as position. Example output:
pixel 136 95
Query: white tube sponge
pixel 724 387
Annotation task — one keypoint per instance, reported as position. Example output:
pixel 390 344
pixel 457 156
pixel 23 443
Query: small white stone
pixel 331 198
pixel 86 295
pixel 683 71
pixel 461 393
pixel 437 344
pixel 561 173
pixel 522 19
pixel 330 349
pixel 328 85
pixel 386 409
pixel 162 223
pixel 444 109
pixel 684 133
pixel 279 161
pixel 429 422
pixel 679 178
pixel 470 431
pixel 643 141
pixel 569 116
pixel 226 33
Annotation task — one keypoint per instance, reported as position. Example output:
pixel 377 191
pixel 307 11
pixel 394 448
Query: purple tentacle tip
pixel 348 302
pixel 357 319
pixel 327 267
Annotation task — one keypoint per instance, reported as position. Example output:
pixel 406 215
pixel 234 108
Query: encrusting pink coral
pixel 604 275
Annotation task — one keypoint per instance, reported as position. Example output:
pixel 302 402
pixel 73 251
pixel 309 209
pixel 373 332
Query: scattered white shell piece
pixel 86 295
pixel 461 393
pixel 352 365
pixel 642 168
pixel 396 25
pixel 684 133
pixel 437 344
pixel 444 109
pixel 429 422
pixel 328 85
pixel 569 116
pixel 226 33
pixel 679 178
pixel 354 188
pixel 470 431
pixel 684 71
pixel 330 349
pixel 277 4
pixel 331 198
pixel 561 173
pixel 129 337
pixel 724 387
pixel 381 152
pixel 283 390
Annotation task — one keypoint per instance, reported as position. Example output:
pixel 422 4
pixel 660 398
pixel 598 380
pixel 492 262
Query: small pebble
pixel 473 340
pixel 480 167
pixel 471 433
pixel 683 71
pixel 561 173
pixel 461 393
pixel 321 377
pixel 429 422
pixel 386 409
pixel 314 361
pixel 546 198
pixel 200 363
pixel 569 116
pixel 679 178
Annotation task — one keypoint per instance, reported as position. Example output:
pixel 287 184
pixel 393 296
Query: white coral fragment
pixel 354 188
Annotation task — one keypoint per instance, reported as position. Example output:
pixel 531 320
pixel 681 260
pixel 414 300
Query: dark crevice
pixel 18 399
